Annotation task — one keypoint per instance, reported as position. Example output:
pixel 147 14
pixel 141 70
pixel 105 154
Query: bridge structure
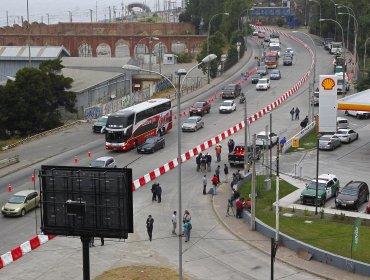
pixel 124 39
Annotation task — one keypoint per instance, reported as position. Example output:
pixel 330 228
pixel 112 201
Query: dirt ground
pixel 140 272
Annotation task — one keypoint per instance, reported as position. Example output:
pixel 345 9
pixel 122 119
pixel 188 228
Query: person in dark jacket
pixel 231 145
pixel 226 171
pixel 159 193
pixel 208 161
pixel 217 171
pixel 297 113
pixel 197 161
pixel 149 226
pixel 154 191
pixel 292 113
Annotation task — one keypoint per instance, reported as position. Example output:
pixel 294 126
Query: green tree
pixel 30 103
pixel 217 43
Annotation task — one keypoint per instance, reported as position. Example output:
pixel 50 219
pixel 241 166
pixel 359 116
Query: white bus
pixel 130 127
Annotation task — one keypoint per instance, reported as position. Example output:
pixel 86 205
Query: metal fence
pixel 299 135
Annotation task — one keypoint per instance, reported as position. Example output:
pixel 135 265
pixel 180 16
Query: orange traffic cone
pixel 88 153
pixel 75 160
pixel 33 178
pixel 10 189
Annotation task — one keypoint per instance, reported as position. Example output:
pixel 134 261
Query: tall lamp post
pixel 29 38
pixel 336 18
pixel 355 24
pixel 313 76
pixel 180 72
pixel 209 30
pixel 344 52
pixel 151 38
pixel 320 11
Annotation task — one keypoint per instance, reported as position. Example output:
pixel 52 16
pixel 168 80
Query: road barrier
pixel 9 161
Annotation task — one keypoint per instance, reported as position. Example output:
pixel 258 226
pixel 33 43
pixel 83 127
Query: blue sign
pixel 271 11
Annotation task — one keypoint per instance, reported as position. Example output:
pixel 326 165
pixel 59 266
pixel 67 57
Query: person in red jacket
pixel 215 183
pixel 239 207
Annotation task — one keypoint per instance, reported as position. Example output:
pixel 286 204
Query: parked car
pixel 227 106
pixel 151 144
pixel 352 195
pixel 255 78
pixel 21 202
pixel 263 84
pixel 99 125
pixel 274 35
pixel 192 124
pixel 287 60
pixel 275 74
pixel 262 140
pixel 347 135
pixel 231 91
pixel 342 123
pixel 328 186
pixel 329 142
pixel 104 162
pixel 316 97
pixel 358 114
pixel 200 108
pixel 255 32
pixel 261 34
pixel 262 69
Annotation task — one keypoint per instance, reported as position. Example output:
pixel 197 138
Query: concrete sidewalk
pixel 242 230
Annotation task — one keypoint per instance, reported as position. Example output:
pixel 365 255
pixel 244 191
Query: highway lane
pixel 214 123
pixel 141 197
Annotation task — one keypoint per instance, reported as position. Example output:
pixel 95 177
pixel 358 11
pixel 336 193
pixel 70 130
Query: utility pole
pixel 270 144
pixel 253 194
pixel 48 19
pixel 90 14
pixel 96 11
pixel 110 15
pixel 277 194
pixel 266 151
pixel 7 18
pixel 246 155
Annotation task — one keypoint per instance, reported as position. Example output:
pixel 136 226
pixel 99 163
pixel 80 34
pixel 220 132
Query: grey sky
pixel 59 10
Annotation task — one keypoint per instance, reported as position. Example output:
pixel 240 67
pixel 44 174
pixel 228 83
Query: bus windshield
pixel 120 121
pixel 270 58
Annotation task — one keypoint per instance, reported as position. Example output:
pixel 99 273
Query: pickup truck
pixel 236 157
pixel 200 108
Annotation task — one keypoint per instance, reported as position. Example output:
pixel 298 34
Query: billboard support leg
pixel 86 257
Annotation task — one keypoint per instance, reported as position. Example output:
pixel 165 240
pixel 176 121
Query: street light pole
pixel 311 105
pixel 29 38
pixel 344 53
pixel 355 25
pixel 209 30
pixel 180 72
pixel 336 18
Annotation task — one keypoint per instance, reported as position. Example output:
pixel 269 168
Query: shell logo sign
pixel 328 83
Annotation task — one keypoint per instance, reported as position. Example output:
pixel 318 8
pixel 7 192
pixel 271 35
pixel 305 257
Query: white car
pixel 227 106
pixel 263 140
pixel 346 135
pixel 358 114
pixel 263 84
pixel 255 32
pixel 289 50
pixel 104 162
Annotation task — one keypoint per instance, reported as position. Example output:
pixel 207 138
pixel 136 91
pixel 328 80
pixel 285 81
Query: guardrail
pixel 9 161
pixel 299 135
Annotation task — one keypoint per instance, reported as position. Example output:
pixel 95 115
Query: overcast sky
pixel 58 10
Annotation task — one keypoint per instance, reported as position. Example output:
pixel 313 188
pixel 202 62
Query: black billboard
pixel 86 201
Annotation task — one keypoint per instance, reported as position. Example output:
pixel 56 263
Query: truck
pixel 336 47
pixel 236 157
pixel 340 83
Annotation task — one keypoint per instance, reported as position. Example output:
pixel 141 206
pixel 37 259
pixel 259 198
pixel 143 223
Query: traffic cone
pixel 75 160
pixel 33 178
pixel 175 117
pixel 88 153
pixel 10 189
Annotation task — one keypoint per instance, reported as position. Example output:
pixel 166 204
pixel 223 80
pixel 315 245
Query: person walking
pixel 187 229
pixel 217 172
pixel 231 145
pixel 297 113
pixel 154 191
pixel 149 226
pixel 91 243
pixel 204 182
pixel 158 191
pixel 208 162
pixel 197 161
pixel 214 184
pixel 101 241
pixel 239 207
pixel 282 143
pixel 226 171
pixel 218 152
pixel 292 113
pixel 174 222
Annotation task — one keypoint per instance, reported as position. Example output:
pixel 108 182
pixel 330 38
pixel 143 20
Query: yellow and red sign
pixel 328 83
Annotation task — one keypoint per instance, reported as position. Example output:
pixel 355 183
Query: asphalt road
pixel 214 251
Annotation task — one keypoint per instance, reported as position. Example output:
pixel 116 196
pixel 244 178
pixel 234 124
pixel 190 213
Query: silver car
pixel 329 142
pixel 347 135
pixel 193 124
pixel 104 162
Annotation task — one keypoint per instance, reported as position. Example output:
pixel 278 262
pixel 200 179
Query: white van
pixel 342 123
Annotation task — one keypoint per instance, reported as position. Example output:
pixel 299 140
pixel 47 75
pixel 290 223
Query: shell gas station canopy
pixel 357 102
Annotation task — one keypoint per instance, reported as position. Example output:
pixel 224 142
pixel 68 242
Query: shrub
pixel 184 58
pixel 280 22
pixel 307 212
